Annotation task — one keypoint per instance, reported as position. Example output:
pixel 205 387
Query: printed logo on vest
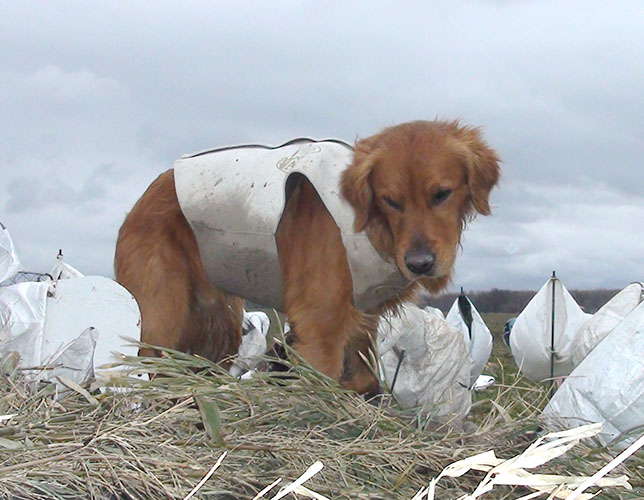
pixel 288 163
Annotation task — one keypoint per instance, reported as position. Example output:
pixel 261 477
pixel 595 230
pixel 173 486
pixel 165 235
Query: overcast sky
pixel 97 99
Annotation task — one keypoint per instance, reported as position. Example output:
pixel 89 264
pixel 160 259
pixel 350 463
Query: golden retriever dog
pixel 412 188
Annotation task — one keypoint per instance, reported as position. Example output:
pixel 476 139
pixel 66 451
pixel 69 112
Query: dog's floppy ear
pixel 482 165
pixel 355 185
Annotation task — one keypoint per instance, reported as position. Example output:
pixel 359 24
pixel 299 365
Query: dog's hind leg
pixel 157 259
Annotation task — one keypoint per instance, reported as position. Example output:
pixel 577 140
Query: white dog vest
pixel 234 198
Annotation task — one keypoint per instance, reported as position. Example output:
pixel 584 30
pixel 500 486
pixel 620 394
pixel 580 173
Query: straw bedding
pixel 158 439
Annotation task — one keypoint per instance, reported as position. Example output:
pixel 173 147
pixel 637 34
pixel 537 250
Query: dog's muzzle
pixel 420 262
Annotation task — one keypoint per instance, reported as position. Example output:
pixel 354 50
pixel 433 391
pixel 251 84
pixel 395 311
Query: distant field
pixel 495 322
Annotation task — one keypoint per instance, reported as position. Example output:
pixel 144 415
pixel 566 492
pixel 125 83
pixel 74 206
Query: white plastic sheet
pixel 435 369
pixel 253 345
pixel 477 336
pixel 435 311
pixel 72 326
pixel 606 319
pixel 74 361
pixel 63 271
pixel 608 385
pixel 531 337
pixel 22 320
pixel 9 262
pixel 91 301
pixel 483 382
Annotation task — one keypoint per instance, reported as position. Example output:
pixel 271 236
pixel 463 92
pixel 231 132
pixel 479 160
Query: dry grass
pixel 159 438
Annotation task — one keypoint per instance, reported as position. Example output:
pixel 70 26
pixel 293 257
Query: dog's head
pixel 413 187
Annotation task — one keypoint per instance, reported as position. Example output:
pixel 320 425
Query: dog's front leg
pixel 318 291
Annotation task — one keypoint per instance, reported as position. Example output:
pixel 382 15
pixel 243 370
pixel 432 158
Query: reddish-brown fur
pixel 396 185
pixel 158 261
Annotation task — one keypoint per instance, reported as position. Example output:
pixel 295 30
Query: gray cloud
pixel 33 194
pixel 98 99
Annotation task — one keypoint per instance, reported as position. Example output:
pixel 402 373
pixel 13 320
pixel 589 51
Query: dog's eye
pixel 392 203
pixel 440 196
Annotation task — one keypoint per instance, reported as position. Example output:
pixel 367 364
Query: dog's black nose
pixel 420 262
